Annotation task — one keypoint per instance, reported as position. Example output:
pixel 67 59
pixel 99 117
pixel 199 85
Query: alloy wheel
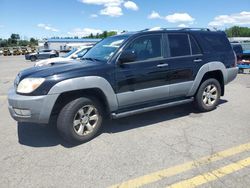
pixel 85 120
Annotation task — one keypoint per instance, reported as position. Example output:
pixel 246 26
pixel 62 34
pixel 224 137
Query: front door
pixel 144 79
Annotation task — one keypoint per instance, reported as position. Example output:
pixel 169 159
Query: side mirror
pixel 128 56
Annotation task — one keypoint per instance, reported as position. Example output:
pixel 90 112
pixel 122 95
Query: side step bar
pixel 146 109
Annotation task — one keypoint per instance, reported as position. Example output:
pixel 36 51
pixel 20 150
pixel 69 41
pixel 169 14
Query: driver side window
pixel 146 47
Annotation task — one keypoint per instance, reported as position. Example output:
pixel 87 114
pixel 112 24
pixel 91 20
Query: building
pixel 66 44
pixel 239 39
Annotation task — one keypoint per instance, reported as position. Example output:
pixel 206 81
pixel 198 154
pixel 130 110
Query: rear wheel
pixel 80 120
pixel 208 95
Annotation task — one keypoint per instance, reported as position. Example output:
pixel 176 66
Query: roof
pixel 74 40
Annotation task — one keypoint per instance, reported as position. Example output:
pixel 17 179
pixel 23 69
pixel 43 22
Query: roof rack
pixel 177 28
pixel 196 29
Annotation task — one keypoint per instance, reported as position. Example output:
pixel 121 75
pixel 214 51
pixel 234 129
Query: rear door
pixel 145 79
pixel 45 54
pixel 184 62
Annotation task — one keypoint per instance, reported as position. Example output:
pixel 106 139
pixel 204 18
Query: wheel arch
pixel 92 86
pixel 93 93
pixel 216 70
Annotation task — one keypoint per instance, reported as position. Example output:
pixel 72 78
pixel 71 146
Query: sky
pixel 48 18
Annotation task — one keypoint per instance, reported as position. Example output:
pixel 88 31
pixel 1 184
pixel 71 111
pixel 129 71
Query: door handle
pixel 197 60
pixel 162 65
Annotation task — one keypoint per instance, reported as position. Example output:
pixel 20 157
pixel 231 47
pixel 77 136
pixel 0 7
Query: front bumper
pixel 231 74
pixel 27 57
pixel 34 109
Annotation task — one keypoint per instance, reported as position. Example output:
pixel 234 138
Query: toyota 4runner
pixel 124 75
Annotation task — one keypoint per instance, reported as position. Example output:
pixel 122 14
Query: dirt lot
pixel 174 147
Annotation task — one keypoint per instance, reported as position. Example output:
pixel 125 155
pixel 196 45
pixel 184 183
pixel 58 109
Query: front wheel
pixel 208 95
pixel 33 58
pixel 80 120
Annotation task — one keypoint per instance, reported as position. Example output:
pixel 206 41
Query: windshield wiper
pixel 91 59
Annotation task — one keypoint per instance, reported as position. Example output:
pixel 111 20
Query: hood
pixel 53 60
pixel 31 54
pixel 57 69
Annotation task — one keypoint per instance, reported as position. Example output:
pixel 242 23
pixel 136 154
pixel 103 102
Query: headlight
pixel 28 85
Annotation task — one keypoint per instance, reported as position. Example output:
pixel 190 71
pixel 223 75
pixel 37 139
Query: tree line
pixel 15 40
pixel 237 31
pixel 102 35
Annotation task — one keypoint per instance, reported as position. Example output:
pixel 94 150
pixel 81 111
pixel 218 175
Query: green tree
pixel 13 40
pixel 111 33
pixel 105 34
pixel 23 43
pixel 33 42
pixel 237 31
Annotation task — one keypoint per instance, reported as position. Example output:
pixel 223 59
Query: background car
pixel 24 50
pixel 1 52
pixel 7 52
pixel 76 53
pixel 17 51
pixel 43 54
pixel 237 49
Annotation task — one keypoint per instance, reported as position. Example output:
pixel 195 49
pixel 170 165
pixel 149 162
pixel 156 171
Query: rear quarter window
pixel 195 47
pixel 217 42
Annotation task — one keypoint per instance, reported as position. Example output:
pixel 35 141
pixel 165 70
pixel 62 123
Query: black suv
pixel 124 75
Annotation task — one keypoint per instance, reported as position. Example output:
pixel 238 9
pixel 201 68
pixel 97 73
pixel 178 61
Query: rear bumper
pixel 34 109
pixel 231 74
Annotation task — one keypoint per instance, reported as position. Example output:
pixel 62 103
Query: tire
pixel 33 58
pixel 75 112
pixel 208 95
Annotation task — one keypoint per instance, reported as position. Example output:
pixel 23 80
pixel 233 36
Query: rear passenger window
pixel 195 48
pixel 179 45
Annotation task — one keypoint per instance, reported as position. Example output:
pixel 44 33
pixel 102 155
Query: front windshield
pixel 106 48
pixel 70 53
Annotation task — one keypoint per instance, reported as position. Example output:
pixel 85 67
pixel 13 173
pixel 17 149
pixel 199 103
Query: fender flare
pixel 208 67
pixel 87 82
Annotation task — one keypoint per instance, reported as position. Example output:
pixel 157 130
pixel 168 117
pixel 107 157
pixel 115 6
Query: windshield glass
pixel 106 48
pixel 70 53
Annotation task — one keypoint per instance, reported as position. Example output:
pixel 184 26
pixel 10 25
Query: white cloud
pixel 173 18
pixel 93 15
pixel 103 2
pixel 47 27
pixel 182 25
pixel 113 11
pixel 112 8
pixel 179 17
pixel 154 15
pixel 242 18
pixel 84 32
pixel 131 5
